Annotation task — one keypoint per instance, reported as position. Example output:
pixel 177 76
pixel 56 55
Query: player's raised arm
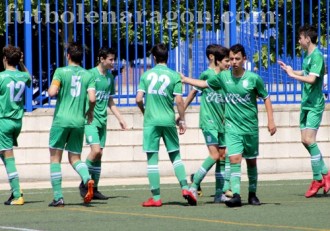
pixel 193 82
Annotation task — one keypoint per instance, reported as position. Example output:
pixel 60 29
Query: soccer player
pixel 241 88
pixel 96 132
pixel 211 119
pixel 161 86
pixel 71 85
pixel 312 105
pixel 12 87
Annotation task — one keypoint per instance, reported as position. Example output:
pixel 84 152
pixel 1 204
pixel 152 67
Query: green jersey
pixel 241 114
pixel 12 86
pixel 160 85
pixel 105 88
pixel 312 96
pixel 211 115
pixel 74 82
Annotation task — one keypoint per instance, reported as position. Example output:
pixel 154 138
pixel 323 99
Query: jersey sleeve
pixel 91 82
pixel 317 65
pixel 215 82
pixel 28 79
pixel 57 78
pixel 260 87
pixel 177 86
pixel 142 86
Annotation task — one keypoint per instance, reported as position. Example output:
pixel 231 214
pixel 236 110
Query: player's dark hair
pixel 210 50
pixel 104 52
pixel 75 50
pixel 221 53
pixel 160 52
pixel 309 31
pixel 238 48
pixel 12 54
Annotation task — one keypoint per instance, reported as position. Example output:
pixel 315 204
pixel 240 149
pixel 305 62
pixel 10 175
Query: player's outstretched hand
pixel 123 125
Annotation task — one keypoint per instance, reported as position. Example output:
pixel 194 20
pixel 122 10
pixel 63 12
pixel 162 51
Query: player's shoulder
pixel 252 74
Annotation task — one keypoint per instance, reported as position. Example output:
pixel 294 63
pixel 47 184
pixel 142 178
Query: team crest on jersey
pixel 245 83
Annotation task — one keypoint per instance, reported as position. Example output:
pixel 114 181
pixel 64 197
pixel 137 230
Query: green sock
pixel 56 180
pixel 202 171
pixel 180 171
pixel 316 162
pixel 253 178
pixel 235 178
pixel 324 169
pixel 12 176
pixel 82 169
pixel 153 175
pixel 219 176
pixel 226 185
pixel 94 168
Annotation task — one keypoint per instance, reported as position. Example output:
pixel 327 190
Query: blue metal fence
pixel 267 29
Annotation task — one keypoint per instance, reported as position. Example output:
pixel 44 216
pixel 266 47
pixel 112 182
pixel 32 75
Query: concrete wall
pixel 123 156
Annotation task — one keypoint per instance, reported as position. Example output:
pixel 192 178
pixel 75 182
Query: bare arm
pixel 22 65
pixel 271 123
pixel 298 75
pixel 92 102
pixel 193 82
pixel 53 89
pixel 187 102
pixel 139 100
pixel 180 107
pixel 115 111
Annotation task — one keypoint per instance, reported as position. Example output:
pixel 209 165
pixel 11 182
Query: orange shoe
pixel 152 203
pixel 314 188
pixel 190 196
pixel 326 179
pixel 90 191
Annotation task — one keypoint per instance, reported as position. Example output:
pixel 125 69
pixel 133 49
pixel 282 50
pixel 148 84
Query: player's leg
pixel 211 140
pixel 95 137
pixel 74 147
pixel 57 139
pixel 171 141
pixel 8 138
pixel 309 124
pixel 251 152
pixel 235 150
pixel 151 137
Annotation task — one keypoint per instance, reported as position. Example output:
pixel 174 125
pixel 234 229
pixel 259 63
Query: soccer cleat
pixel 199 189
pixel 90 191
pixel 58 203
pixel 98 195
pixel 229 193
pixel 190 195
pixel 15 201
pixel 82 189
pixel 253 199
pixel 326 179
pixel 314 188
pixel 152 203
pixel 12 197
pixel 220 198
pixel 235 201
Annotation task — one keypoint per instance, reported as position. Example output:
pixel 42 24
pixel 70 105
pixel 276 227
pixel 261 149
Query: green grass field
pixel 284 207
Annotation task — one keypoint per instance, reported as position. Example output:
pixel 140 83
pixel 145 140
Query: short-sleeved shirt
pixel 12 88
pixel 105 88
pixel 160 85
pixel 212 106
pixel 241 114
pixel 70 108
pixel 312 96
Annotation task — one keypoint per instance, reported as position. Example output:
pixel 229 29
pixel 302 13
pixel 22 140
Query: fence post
pixel 232 21
pixel 28 53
